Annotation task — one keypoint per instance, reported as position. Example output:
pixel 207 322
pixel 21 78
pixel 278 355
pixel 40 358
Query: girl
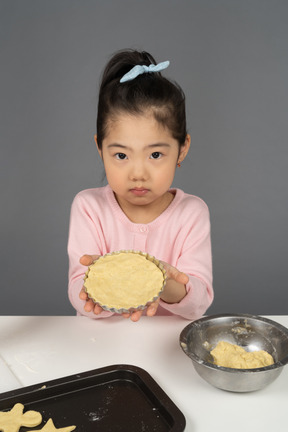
pixel 142 139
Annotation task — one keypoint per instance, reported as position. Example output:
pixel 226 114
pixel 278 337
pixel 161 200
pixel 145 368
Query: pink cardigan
pixel 180 236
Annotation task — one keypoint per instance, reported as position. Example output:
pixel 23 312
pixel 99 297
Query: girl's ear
pixel 184 149
pixel 96 142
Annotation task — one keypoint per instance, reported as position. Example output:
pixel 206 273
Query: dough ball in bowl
pixel 251 333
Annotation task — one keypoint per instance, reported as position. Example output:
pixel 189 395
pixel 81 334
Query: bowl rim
pixel 184 334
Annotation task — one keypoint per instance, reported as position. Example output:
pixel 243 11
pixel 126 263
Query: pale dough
pixel 11 421
pixel 123 281
pixel 49 427
pixel 233 356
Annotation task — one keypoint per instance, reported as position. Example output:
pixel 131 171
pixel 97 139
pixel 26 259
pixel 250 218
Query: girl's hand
pixel 175 288
pixel 173 292
pixel 150 311
pixel 175 274
pixel 90 306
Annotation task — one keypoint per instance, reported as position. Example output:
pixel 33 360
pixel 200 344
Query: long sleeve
pixel 85 237
pixel 195 260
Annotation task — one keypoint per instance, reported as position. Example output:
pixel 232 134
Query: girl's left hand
pixel 174 274
pixel 173 292
pixel 175 288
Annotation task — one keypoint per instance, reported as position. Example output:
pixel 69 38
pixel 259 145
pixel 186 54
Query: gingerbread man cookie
pixel 11 421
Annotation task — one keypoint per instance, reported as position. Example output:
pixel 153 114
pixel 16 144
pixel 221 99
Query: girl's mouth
pixel 139 191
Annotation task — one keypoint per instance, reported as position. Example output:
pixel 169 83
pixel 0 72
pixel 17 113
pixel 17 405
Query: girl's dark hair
pixel 149 91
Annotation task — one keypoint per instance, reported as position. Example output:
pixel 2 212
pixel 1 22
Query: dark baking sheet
pixel 114 398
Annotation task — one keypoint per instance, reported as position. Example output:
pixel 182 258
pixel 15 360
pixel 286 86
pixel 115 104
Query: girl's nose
pixel 138 172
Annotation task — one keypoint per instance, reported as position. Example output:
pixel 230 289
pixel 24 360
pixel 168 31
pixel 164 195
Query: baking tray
pixel 113 398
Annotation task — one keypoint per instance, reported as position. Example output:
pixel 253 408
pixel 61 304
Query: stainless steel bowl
pixel 252 333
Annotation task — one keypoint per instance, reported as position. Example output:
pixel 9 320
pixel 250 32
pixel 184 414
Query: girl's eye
pixel 156 155
pixel 120 156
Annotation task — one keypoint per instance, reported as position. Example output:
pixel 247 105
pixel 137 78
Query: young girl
pixel 142 139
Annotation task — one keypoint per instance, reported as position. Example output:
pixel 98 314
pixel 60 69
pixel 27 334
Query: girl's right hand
pixel 90 306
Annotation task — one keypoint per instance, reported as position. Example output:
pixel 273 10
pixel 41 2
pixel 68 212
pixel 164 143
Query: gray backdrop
pixel 230 57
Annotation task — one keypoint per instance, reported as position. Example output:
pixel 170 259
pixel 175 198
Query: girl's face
pixel 140 157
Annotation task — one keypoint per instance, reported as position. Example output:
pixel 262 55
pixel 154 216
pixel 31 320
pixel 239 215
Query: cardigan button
pixel 143 229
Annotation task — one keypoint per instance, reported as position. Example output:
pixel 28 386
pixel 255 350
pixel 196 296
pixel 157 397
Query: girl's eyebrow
pixel 116 145
pixel 159 145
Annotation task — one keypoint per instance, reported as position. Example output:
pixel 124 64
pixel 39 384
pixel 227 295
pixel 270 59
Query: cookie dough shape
pixel 229 355
pixel 49 427
pixel 11 421
pixel 125 280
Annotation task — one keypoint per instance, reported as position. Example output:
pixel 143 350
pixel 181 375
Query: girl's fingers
pixel 174 273
pixel 87 260
pixel 182 278
pixel 83 295
pixel 89 306
pixel 97 309
pixel 152 308
pixel 135 316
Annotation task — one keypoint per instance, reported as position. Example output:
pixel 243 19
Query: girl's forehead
pixel 123 117
pixel 136 125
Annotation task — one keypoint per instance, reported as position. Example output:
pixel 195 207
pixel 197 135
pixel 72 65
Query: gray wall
pixel 230 56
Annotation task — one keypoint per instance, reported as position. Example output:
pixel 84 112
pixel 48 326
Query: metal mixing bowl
pixel 252 333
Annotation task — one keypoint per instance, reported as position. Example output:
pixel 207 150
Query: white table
pixel 37 349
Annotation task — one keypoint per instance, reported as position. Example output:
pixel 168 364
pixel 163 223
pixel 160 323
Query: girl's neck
pixel 147 213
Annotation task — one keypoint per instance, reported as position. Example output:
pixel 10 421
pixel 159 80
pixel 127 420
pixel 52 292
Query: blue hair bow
pixel 139 69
